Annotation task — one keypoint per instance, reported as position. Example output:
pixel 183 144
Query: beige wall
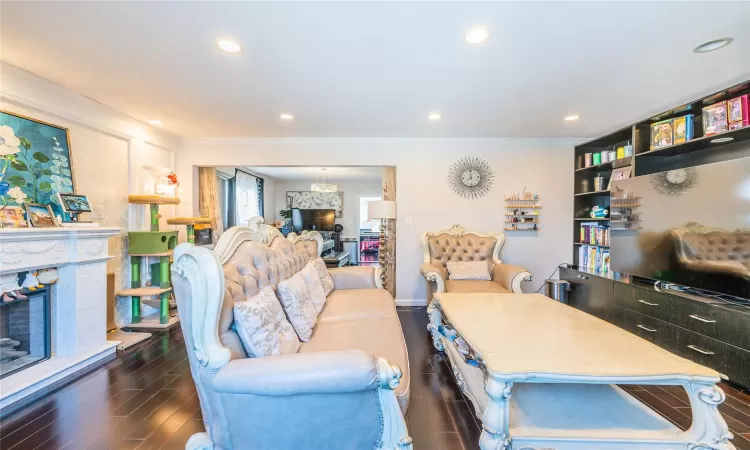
pixel 545 166
pixel 108 152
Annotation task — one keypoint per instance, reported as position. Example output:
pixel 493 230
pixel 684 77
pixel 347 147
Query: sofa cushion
pixel 262 326
pixel 295 298
pixel 347 304
pixel 325 277
pixel 473 286
pixel 379 337
pixel 315 286
pixel 468 270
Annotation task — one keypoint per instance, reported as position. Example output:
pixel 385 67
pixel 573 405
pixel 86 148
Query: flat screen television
pixel 689 227
pixel 313 219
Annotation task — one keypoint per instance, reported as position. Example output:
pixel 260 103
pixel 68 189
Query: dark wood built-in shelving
pixel 644 161
pixel 616 297
pixel 604 192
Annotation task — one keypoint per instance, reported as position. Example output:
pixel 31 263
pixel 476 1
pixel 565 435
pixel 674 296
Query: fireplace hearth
pixel 24 332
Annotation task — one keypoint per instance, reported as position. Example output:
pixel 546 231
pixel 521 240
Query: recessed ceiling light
pixel 571 117
pixel 286 116
pixel 154 122
pixel 434 116
pixel 476 35
pixel 229 45
pixel 722 140
pixel 712 45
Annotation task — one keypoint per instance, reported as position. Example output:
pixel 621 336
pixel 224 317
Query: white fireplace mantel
pixel 78 299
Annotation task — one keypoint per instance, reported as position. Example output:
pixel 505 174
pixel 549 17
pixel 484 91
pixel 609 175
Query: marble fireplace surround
pixel 78 299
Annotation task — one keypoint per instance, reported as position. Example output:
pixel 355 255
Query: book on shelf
pixel 595 259
pixel 594 233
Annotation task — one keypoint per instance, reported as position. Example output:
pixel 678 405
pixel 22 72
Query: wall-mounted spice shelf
pixel 522 211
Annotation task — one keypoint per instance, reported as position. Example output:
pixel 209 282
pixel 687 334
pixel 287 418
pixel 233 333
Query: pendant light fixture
pixel 323 186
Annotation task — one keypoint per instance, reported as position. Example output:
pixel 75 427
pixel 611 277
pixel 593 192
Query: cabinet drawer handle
pixel 648 303
pixel 700 350
pixel 699 318
pixel 650 330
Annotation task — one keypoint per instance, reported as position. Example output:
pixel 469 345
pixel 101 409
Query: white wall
pixel 108 151
pixel 352 191
pixel 423 194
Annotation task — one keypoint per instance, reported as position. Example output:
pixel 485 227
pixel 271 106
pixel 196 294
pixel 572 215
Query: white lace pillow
pixel 472 270
pixel 314 285
pixel 262 326
pixel 325 277
pixel 295 298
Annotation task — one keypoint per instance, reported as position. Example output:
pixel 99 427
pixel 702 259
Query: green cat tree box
pixel 151 242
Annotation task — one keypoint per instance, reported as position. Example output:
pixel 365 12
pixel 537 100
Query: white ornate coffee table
pixel 562 366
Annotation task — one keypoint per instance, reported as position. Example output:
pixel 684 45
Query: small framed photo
pixel 74 203
pixel 619 174
pixel 12 217
pixel 40 216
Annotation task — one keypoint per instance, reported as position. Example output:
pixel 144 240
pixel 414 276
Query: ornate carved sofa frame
pixel 333 393
pixel 458 244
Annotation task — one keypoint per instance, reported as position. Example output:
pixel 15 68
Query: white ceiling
pixel 377 68
pixel 332 174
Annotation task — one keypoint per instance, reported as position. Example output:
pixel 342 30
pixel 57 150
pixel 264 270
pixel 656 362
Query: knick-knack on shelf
pixel 47 276
pixel 31 282
pixel 10 288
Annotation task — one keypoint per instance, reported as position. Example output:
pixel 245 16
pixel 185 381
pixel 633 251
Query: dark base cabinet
pixel 589 293
pixel 712 333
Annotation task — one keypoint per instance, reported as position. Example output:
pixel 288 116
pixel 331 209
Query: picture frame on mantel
pixel 40 216
pixel 12 217
pixel 35 162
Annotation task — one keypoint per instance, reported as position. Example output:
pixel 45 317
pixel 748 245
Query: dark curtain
pixel 261 205
pixel 231 193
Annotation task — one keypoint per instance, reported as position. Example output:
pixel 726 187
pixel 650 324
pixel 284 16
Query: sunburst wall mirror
pixel 470 177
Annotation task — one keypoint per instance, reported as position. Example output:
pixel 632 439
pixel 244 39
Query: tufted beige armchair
pixel 458 244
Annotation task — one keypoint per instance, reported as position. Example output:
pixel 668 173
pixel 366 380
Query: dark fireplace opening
pixel 24 331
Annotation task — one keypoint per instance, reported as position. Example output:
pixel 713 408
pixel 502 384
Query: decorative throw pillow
pixel 314 285
pixel 472 270
pixel 325 277
pixel 295 298
pixel 262 326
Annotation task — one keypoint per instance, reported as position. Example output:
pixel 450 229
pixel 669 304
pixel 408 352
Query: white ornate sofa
pixel 339 391
pixel 459 244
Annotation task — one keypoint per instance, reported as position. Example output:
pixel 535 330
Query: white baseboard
pixel 411 302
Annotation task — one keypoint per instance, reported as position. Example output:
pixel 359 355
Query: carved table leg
pixel 496 423
pixel 433 311
pixel 709 431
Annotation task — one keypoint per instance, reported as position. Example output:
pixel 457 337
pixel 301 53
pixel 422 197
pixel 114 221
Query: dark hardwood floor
pixel 145 399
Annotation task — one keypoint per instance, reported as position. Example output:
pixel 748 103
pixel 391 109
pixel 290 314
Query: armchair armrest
pixel 434 274
pixel 299 373
pixel 355 277
pixel 510 276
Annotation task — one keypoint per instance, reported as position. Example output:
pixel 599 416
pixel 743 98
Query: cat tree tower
pixel 151 244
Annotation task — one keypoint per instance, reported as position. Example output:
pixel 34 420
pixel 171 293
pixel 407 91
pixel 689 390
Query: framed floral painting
pixel 35 163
